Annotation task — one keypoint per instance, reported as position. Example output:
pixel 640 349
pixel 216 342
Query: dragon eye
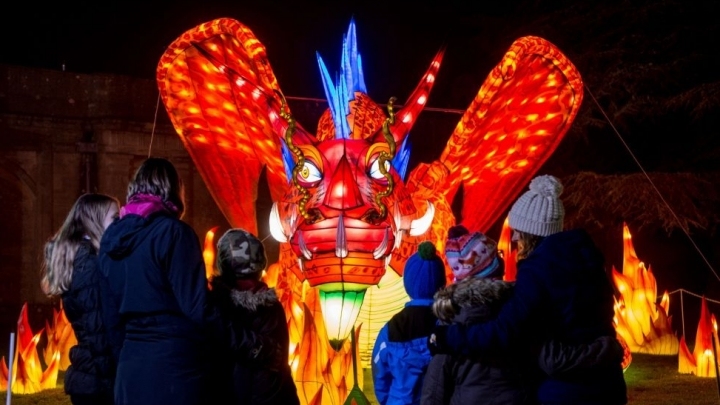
pixel 374 171
pixel 309 175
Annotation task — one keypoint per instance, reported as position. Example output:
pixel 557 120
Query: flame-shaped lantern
pixel 209 253
pixel 508 254
pixel 701 361
pixel 28 377
pixel 60 338
pixel 644 325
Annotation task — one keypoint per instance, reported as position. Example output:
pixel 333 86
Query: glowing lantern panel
pixel 340 310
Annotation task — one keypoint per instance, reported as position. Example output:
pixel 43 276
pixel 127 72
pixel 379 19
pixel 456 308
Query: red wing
pixel 217 86
pixel 518 118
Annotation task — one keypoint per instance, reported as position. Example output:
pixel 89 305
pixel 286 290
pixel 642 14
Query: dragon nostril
pixel 314 216
pixel 372 216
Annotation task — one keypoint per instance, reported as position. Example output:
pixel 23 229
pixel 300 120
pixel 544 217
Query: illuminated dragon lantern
pixel 345 207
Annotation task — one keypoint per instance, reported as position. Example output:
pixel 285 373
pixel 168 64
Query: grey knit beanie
pixel 539 211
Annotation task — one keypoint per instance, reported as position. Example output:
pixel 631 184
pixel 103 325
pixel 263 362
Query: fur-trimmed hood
pixel 252 300
pixel 481 291
pixel 471 300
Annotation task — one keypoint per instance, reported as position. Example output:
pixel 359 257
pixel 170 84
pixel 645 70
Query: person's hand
pixel 437 341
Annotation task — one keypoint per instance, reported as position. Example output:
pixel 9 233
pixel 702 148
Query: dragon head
pixel 348 208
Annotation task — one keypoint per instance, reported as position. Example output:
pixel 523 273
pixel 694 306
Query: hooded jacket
pixel 562 293
pixel 259 343
pixel 459 380
pixel 156 273
pixel 400 356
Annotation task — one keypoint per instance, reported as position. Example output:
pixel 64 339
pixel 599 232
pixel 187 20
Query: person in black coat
pixel 255 321
pixel 155 269
pixel 562 295
pixel 71 271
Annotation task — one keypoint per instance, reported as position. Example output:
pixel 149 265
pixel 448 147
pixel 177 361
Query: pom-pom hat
pixel 472 254
pixel 539 211
pixel 424 273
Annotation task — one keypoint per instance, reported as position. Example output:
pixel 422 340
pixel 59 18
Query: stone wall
pixel 61 135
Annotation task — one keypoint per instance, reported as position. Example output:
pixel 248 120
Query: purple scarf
pixel 146 204
pixel 250 285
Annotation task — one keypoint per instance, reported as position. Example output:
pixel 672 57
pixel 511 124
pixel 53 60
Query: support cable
pixel 680 224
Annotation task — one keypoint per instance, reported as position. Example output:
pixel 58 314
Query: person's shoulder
pixel 171 223
pixel 85 255
pixel 85 265
pixel 84 249
pixel 572 236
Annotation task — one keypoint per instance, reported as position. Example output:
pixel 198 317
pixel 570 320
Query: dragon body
pixel 346 209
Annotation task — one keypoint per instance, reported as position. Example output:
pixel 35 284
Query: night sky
pixel 651 64
pixel 397 39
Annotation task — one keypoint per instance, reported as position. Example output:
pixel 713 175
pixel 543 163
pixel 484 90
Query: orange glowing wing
pixel 218 88
pixel 516 121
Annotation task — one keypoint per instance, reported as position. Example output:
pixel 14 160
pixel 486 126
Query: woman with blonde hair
pixel 70 271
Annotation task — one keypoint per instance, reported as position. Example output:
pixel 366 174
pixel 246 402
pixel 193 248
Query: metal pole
pixel 715 358
pixel 11 357
pixel 682 312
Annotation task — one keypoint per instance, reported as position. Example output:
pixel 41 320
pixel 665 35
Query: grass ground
pixel 651 380
pixel 654 380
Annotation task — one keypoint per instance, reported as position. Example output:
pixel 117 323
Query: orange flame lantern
pixel 27 374
pixel 701 361
pixel 644 325
pixel 209 252
pixel 509 254
pixel 60 338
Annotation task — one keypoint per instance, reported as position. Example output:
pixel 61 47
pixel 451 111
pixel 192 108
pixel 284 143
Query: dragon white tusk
pixel 341 249
pixel 380 250
pixel 307 254
pixel 276 228
pixel 293 219
pixel 397 216
pixel 421 225
pixel 398 238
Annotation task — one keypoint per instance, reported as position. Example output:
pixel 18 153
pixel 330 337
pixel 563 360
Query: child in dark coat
pixel 458 380
pixel 255 320
pixel 476 296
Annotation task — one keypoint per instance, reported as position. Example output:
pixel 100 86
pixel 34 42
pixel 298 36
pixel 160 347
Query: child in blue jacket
pixel 400 356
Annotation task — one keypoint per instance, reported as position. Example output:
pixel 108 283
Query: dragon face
pixel 348 208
